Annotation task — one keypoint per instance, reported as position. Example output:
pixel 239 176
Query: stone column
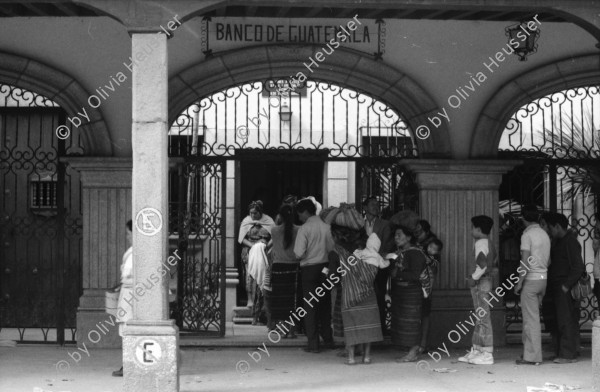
pixel 106 205
pixel 450 193
pixel 150 340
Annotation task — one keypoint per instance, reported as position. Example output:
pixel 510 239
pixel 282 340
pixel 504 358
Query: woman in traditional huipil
pixel 360 313
pixel 284 270
pixel 255 229
pixel 407 295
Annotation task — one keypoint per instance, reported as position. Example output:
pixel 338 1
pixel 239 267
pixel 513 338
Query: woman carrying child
pixel 407 290
pixel 360 313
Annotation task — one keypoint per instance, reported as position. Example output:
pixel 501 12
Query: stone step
pixel 242 320
pixel 242 315
pixel 242 311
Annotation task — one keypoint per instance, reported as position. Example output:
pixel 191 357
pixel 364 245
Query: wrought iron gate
pixel 41 222
pixel 396 190
pixel 313 117
pixel 196 209
pixel 394 187
pixel 558 137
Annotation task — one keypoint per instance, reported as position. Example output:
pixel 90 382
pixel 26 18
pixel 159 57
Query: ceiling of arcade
pixel 446 47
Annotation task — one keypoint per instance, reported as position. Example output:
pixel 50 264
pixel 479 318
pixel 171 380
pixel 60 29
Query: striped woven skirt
pixel 406 314
pixel 361 322
pixel 282 299
pixel 338 323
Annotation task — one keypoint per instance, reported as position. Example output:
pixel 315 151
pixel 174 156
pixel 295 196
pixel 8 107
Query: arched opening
pixel 558 138
pixel 263 140
pixel 344 67
pixel 41 229
pixel 66 92
pixel 571 72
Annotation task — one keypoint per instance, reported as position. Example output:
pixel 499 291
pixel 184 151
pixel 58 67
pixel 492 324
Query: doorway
pixel 269 177
pixel 271 180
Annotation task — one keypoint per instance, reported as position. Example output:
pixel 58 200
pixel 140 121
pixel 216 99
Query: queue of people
pixel 402 257
pixel 298 259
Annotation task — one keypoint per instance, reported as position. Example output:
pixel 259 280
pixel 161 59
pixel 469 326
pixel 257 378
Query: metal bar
pixel 222 261
pixel 182 246
pixel 358 189
pixel 60 253
pixel 553 192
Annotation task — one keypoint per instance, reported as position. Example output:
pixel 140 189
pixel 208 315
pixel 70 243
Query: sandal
pixel 410 357
pixel 350 361
pixel 367 360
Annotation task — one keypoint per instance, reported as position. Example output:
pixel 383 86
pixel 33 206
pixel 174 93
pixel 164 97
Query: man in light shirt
pixel 312 246
pixel 535 255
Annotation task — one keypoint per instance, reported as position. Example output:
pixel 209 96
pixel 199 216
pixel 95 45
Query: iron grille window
pixel 181 145
pixel 43 194
pixel 382 146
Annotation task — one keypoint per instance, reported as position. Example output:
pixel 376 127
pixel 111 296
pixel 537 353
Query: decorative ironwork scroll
pixel 349 124
pixel 40 219
pixel 395 189
pixel 198 223
pixel 558 136
pixel 307 120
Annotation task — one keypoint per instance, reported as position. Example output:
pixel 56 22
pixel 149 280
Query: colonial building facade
pixel 177 114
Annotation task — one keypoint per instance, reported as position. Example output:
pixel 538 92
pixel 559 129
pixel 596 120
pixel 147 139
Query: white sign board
pixel 226 33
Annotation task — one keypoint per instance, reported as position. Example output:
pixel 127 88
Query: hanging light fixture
pixel 525 34
pixel 285 112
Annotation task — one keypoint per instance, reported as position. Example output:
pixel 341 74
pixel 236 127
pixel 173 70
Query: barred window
pixel 43 191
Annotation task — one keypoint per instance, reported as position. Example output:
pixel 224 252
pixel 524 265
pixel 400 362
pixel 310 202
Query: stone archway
pixel 345 67
pixel 548 79
pixel 61 88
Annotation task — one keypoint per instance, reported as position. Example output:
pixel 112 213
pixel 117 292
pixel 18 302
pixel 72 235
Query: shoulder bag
pixel 583 287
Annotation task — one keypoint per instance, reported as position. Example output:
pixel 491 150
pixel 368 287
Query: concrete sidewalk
pixel 33 368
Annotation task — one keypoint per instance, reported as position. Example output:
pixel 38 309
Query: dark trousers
pixel 597 291
pixel 381 280
pixel 561 317
pixel 317 320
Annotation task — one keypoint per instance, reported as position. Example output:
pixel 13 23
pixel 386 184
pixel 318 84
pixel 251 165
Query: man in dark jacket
pixel 566 267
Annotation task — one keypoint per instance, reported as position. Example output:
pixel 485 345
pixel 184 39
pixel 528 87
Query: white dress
pixel 125 310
